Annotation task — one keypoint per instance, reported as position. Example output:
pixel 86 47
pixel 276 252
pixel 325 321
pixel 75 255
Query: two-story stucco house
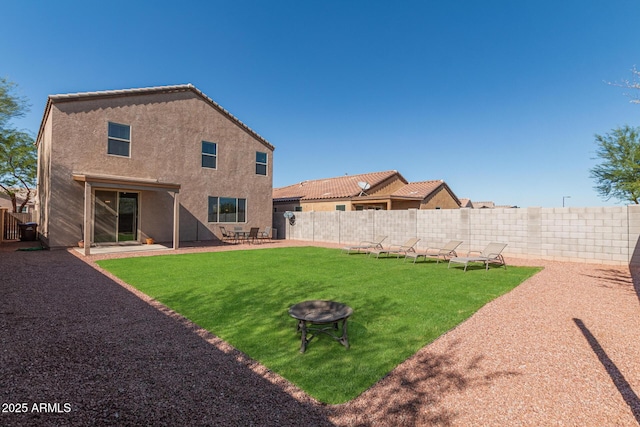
pixel 162 162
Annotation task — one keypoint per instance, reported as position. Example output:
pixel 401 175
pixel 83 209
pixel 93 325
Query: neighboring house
pixel 387 190
pixel 5 200
pixel 162 162
pixel 483 205
pixel 467 203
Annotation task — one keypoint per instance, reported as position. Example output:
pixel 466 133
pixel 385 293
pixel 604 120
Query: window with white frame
pixel 119 141
pixel 227 209
pixel 261 163
pixel 209 155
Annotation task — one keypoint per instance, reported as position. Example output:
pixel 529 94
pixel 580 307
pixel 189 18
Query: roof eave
pixel 286 199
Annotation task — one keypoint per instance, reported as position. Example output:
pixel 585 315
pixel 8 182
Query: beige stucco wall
pixel 404 205
pixel 442 199
pixel 325 206
pixel 388 187
pixel 44 181
pixel 166 135
pixel 285 206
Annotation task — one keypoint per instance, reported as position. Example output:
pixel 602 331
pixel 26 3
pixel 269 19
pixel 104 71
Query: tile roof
pixel 465 203
pixel 146 91
pixel 480 205
pixel 330 188
pixel 418 190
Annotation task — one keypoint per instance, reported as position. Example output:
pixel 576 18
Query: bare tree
pixel 633 84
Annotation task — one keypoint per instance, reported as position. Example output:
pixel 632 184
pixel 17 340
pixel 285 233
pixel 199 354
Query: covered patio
pixel 120 185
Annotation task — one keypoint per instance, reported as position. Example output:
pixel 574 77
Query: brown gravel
pixel 561 349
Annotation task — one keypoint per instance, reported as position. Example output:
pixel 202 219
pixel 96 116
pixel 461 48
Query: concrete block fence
pixel 604 235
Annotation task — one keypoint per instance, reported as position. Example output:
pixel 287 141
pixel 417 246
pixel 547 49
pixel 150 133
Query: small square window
pixel 119 140
pixel 261 163
pixel 209 155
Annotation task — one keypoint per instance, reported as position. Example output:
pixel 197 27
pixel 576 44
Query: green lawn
pixel 243 297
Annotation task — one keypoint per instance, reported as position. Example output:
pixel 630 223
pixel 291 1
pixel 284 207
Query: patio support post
pixel 87 219
pixel 176 220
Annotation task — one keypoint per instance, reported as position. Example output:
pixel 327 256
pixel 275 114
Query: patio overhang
pixel 127 183
pixel 92 181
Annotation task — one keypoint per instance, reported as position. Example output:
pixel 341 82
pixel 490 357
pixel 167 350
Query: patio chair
pixel 265 235
pixel 253 235
pixel 366 245
pixel 445 252
pixel 492 254
pixel 227 235
pixel 403 249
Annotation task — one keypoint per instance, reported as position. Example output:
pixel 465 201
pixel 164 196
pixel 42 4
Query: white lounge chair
pixel 492 254
pixel 403 249
pixel 366 245
pixel 445 252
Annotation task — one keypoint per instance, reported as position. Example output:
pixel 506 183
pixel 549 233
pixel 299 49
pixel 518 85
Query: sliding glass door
pixel 127 217
pixel 115 216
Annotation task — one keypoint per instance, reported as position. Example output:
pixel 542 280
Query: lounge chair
pixel 492 254
pixel 445 252
pixel 403 249
pixel 366 245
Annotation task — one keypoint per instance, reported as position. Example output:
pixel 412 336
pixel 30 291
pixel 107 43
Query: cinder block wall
pixel 605 235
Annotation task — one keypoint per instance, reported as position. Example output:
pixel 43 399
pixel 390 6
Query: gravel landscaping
pixel 81 348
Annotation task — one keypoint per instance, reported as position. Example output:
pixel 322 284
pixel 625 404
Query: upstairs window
pixel 261 163
pixel 119 143
pixel 209 154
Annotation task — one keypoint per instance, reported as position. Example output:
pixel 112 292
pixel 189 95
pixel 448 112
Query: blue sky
pixel 499 98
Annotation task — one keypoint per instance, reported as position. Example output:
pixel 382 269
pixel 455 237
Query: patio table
pixel 240 234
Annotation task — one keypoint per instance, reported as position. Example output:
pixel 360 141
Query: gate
pixel 11 230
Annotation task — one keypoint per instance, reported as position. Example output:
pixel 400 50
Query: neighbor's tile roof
pixel 419 190
pixel 480 205
pixel 465 203
pixel 146 91
pixel 329 188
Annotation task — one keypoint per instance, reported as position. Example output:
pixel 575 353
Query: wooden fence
pixel 10 224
